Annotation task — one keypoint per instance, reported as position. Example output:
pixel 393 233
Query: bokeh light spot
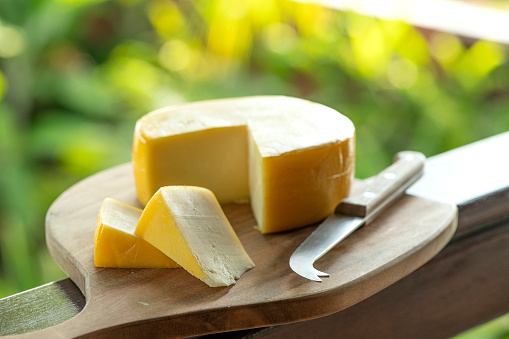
pixel 12 41
pixel 402 73
pixel 445 47
pixel 280 37
pixel 175 55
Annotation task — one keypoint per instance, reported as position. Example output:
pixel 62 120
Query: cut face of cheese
pixel 291 158
pixel 188 225
pixel 214 158
pixel 116 245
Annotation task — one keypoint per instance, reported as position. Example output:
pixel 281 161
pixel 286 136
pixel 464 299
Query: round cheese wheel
pixel 292 159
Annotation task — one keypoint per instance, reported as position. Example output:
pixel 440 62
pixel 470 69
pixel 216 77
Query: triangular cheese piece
pixel 188 225
pixel 116 245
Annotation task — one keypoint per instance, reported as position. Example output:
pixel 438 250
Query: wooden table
pixel 463 286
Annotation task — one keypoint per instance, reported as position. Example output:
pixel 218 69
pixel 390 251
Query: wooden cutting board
pixel 157 303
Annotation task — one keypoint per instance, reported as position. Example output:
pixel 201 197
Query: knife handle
pixel 386 187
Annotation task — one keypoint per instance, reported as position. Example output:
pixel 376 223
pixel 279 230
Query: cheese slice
pixel 188 225
pixel 291 158
pixel 116 245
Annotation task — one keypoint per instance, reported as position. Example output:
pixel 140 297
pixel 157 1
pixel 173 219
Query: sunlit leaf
pixel 166 17
pixel 229 36
pixel 137 81
pixel 479 61
pixel 414 47
pixel 3 85
pixel 395 32
pixel 370 50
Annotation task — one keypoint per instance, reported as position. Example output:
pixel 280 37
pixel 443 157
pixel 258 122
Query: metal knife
pixel 356 211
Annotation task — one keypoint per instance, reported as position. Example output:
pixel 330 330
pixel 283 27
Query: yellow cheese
pixel 188 225
pixel 291 158
pixel 116 245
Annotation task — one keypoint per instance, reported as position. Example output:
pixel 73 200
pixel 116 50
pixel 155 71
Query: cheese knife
pixel 356 211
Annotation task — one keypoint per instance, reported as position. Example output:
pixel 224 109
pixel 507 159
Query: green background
pixel 76 75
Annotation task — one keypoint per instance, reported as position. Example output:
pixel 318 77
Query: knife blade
pixel 356 211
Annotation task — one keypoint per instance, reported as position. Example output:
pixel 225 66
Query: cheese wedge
pixel 116 245
pixel 188 225
pixel 291 158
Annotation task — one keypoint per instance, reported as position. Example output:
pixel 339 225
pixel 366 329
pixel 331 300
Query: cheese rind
pixel 290 201
pixel 188 225
pixel 291 158
pixel 116 245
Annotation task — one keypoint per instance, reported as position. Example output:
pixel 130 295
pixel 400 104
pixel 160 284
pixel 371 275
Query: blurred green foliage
pixel 495 329
pixel 76 74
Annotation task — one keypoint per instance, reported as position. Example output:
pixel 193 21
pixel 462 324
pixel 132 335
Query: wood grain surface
pixel 163 303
